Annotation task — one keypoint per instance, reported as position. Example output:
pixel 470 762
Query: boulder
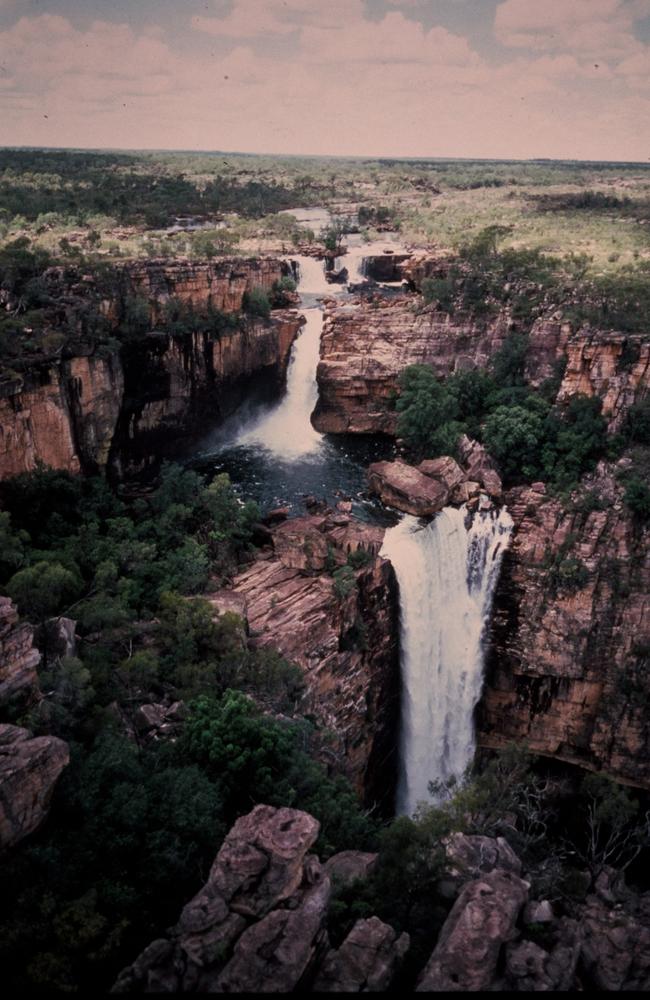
pixel 445 470
pixel 406 488
pixel 480 466
pixel 349 866
pixel 366 962
pixel 29 769
pixel 18 656
pixel 469 856
pixel 615 953
pixel 481 922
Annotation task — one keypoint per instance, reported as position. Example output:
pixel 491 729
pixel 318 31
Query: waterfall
pixel 447 571
pixel 286 430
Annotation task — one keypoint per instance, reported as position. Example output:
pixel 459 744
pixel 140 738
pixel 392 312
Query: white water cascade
pixel 286 430
pixel 447 571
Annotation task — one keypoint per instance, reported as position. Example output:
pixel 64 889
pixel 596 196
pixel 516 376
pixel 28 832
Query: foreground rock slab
pixel 29 769
pixel 406 488
pixel 258 924
pixel 481 922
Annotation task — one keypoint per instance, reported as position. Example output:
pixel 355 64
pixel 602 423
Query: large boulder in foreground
pixel 29 769
pixel 407 489
pixel 258 924
pixel 481 922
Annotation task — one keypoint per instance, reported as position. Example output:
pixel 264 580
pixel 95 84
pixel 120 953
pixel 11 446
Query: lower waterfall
pixel 447 571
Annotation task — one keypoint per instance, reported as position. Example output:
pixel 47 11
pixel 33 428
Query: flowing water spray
pixel 447 571
pixel 286 430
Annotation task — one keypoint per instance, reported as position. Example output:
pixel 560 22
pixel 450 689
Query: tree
pixel 44 589
pixel 616 829
pixel 428 420
pixel 513 435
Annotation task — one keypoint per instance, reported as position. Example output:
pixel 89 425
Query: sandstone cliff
pixel 90 411
pixel 344 637
pixel 570 639
pixel 368 343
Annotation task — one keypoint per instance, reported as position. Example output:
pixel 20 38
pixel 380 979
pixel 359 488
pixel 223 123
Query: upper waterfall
pixel 447 571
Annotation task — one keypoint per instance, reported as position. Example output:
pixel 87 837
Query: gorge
pixel 381 615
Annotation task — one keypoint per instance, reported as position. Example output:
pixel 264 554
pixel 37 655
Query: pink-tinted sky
pixel 483 78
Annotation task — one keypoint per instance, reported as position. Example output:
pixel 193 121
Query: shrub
pixel 256 303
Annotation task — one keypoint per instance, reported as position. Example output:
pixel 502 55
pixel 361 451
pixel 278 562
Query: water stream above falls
pixel 271 451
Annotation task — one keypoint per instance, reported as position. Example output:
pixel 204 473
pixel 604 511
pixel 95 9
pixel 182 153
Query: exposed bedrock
pixel 90 411
pixel 29 769
pixel 367 344
pixel 570 635
pixel 343 636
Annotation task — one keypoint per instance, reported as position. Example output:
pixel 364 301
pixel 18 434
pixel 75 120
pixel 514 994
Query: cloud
pixel 601 28
pixel 322 79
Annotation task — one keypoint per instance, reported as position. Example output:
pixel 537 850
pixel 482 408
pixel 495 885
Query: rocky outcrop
pixel 567 665
pixel 29 769
pixel 258 924
pixel 614 367
pixel 367 344
pixel 89 411
pixel 425 490
pixel 407 489
pixel 342 632
pixel 18 656
pixel 366 962
pixel 482 920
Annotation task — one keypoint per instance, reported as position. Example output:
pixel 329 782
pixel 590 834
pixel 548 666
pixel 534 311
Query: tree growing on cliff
pixel 428 413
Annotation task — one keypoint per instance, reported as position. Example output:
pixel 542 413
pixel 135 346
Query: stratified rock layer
pixel 571 631
pixel 89 411
pixel 368 343
pixel 29 769
pixel 343 636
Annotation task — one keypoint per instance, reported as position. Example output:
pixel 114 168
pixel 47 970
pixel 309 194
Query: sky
pixel 565 79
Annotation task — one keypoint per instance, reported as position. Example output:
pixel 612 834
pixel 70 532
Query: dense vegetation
pixel 136 823
pixel 528 436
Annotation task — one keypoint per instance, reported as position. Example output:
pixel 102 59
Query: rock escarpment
pixel 88 410
pixel 258 924
pixel 570 637
pixel 368 343
pixel 342 632
pixel 29 769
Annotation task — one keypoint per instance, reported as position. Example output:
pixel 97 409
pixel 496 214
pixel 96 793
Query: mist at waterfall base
pixel 271 451
pixel 447 571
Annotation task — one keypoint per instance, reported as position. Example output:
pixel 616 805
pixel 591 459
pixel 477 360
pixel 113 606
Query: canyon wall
pixel 344 636
pixel 570 639
pixel 366 344
pixel 97 409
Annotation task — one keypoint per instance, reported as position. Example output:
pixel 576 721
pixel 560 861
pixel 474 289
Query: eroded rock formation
pixel 29 769
pixel 343 636
pixel 258 924
pixel 18 656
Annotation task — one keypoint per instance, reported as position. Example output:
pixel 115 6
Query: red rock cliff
pixel 567 670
